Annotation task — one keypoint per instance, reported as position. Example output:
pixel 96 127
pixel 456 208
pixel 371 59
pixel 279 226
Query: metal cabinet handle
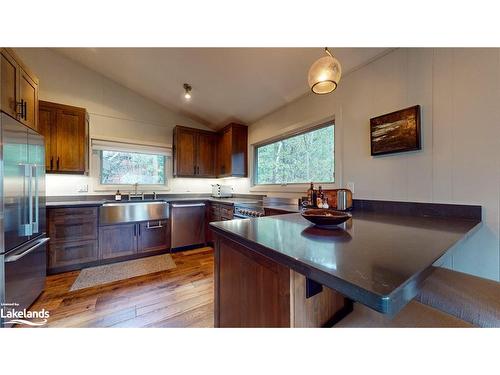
pixel 57 163
pixel 51 162
pixel 21 104
pixel 188 205
pixel 194 169
pixel 15 257
pixel 154 226
pixel 139 227
pixel 135 230
pixel 25 110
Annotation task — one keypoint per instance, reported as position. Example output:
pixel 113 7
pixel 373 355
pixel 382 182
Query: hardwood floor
pixel 180 297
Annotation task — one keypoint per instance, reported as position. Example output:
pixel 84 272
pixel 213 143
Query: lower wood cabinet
pixel 153 236
pixel 72 253
pixel 76 240
pixel 117 240
pixel 128 239
pixel 217 212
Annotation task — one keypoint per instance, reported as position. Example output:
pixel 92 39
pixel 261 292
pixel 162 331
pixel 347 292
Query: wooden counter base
pixel 252 290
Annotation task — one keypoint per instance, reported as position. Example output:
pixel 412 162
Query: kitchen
pixel 113 213
pixel 210 165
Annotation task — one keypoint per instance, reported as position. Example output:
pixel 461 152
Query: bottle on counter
pixel 310 193
pixel 319 198
pixel 325 202
pixel 118 196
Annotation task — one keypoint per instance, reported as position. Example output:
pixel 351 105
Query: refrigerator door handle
pixel 26 229
pixel 15 257
pixel 34 221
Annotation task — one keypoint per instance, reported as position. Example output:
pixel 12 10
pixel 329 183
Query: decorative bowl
pixel 325 218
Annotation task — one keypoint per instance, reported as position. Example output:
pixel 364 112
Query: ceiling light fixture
pixel 187 91
pixel 324 74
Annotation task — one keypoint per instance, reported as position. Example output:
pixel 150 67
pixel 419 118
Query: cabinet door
pixel 46 122
pixel 8 82
pixel 224 153
pixel 185 152
pixel 153 236
pixel 70 141
pixel 28 95
pixel 117 240
pixel 206 155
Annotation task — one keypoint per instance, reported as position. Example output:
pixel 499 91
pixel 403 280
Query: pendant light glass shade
pixel 324 74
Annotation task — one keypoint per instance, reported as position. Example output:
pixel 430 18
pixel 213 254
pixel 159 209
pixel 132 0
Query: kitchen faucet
pixel 136 194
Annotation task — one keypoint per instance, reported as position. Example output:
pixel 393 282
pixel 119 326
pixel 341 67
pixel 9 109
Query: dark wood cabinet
pixel 66 137
pixel 117 240
pixel 18 89
pixel 217 212
pixel 73 238
pixel 194 152
pixel 153 236
pixel 232 151
pixel 72 254
pixel 198 153
pixel 250 289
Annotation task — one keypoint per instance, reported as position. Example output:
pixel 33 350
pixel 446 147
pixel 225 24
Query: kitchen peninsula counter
pixel 378 258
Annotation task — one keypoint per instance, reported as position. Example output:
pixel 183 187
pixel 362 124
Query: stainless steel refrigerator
pixel 23 254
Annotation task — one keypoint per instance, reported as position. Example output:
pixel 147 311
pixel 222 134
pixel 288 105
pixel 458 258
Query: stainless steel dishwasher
pixel 188 224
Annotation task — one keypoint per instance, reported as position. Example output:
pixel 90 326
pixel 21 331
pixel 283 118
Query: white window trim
pixel 298 187
pixel 95 165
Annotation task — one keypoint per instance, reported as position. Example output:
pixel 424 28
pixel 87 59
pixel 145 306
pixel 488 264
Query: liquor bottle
pixel 310 194
pixel 319 198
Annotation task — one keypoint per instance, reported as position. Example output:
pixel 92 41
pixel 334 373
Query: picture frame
pixel 396 132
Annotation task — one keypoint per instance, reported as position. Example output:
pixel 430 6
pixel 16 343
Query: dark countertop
pixel 100 202
pixel 377 259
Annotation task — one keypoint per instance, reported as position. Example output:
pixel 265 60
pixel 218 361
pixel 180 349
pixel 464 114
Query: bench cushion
pixel 470 298
pixel 413 315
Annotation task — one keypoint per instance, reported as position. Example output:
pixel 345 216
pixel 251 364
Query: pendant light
pixel 324 74
pixel 187 91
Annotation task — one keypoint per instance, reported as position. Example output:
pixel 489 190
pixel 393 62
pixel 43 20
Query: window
pixel 301 158
pixel 127 164
pixel 118 168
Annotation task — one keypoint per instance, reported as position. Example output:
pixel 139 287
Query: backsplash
pixel 62 185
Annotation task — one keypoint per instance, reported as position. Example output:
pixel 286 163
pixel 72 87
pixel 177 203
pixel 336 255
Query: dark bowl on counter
pixel 325 217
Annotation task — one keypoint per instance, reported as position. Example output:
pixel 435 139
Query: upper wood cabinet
pixel 66 137
pixel 18 90
pixel 194 152
pixel 199 153
pixel 232 151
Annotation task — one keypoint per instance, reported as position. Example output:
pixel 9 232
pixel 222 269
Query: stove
pixel 248 210
pixel 256 209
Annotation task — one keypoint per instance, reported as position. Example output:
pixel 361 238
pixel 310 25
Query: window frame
pixel 132 152
pixel 96 168
pixel 296 186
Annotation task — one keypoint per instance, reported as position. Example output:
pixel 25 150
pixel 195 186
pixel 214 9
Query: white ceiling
pixel 229 84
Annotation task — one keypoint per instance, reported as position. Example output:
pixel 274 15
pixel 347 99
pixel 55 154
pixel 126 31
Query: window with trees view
pixel 301 158
pixel 118 167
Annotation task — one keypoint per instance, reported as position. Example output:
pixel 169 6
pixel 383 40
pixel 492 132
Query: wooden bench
pixel 448 299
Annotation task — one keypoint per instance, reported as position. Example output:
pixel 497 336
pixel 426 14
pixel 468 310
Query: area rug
pixel 109 273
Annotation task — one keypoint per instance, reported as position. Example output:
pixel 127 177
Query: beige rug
pixel 109 273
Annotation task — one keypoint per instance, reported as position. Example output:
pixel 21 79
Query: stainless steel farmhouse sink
pixel 132 211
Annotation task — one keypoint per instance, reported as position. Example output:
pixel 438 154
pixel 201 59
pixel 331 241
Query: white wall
pixel 115 112
pixel 459 93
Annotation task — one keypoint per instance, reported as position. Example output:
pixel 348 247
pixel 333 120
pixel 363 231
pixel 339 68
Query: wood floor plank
pixel 179 297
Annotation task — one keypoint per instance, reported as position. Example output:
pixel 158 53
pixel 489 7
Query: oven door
pixel 25 272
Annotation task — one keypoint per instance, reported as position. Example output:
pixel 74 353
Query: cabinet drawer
pixel 226 212
pixel 72 253
pixel 72 227
pixel 73 211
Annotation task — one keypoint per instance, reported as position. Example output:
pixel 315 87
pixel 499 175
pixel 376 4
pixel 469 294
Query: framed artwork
pixel 395 132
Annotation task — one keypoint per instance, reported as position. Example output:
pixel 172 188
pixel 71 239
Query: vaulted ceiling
pixel 229 84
